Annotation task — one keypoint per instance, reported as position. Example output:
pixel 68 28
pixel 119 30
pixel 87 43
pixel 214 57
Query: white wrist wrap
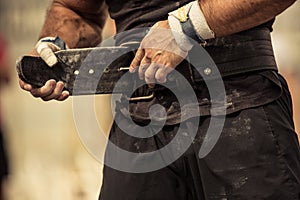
pixel 193 12
pixel 46 49
pixel 181 38
pixel 199 22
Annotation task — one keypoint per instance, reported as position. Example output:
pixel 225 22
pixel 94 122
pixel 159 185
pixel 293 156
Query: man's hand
pixel 157 55
pixel 52 89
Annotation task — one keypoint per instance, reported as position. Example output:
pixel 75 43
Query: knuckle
pixel 22 86
pixel 35 94
pixel 57 93
pixel 46 98
pixel 144 62
pixel 134 60
pixel 143 68
pixel 148 75
pixel 61 98
pixel 132 65
pixel 52 96
pixel 161 78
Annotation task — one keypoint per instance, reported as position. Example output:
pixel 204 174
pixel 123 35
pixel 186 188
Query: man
pixel 257 154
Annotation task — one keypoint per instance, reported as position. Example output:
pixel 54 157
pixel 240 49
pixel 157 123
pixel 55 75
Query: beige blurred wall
pixel 286 42
pixel 48 160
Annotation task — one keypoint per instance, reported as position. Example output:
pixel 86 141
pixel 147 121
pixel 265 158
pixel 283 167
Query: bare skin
pixel 79 24
pixel 80 29
pixel 232 16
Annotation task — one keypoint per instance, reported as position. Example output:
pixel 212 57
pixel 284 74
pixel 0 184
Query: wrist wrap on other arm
pixel 189 25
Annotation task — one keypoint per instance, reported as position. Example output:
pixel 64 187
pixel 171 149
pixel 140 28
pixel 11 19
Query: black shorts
pixel 256 157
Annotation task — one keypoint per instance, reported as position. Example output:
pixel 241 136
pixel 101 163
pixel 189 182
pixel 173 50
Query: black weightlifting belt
pixel 97 70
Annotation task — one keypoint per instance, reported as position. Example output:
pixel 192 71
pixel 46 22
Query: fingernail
pixel 27 87
pixel 151 85
pixel 131 69
pixel 65 94
pixel 60 84
pixel 164 80
pixel 51 83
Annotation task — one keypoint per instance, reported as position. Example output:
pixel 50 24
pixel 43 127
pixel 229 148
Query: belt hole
pixel 76 72
pixel 91 71
pixel 207 71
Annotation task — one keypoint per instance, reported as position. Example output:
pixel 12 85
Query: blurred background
pixel 47 159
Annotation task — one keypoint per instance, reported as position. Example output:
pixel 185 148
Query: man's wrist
pixel 181 38
pixel 200 24
pixel 189 23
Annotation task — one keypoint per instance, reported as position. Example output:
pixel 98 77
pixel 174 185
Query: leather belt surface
pixel 101 70
pixel 83 71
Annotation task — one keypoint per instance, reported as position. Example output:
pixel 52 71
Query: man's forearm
pixel 232 16
pixel 78 23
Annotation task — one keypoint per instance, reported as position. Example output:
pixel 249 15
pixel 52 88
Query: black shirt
pixel 244 89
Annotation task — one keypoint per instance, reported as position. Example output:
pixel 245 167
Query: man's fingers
pixel 150 74
pixel 25 86
pixel 44 91
pixel 64 95
pixel 56 93
pixel 145 63
pixel 136 60
pixel 162 73
pixel 51 90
